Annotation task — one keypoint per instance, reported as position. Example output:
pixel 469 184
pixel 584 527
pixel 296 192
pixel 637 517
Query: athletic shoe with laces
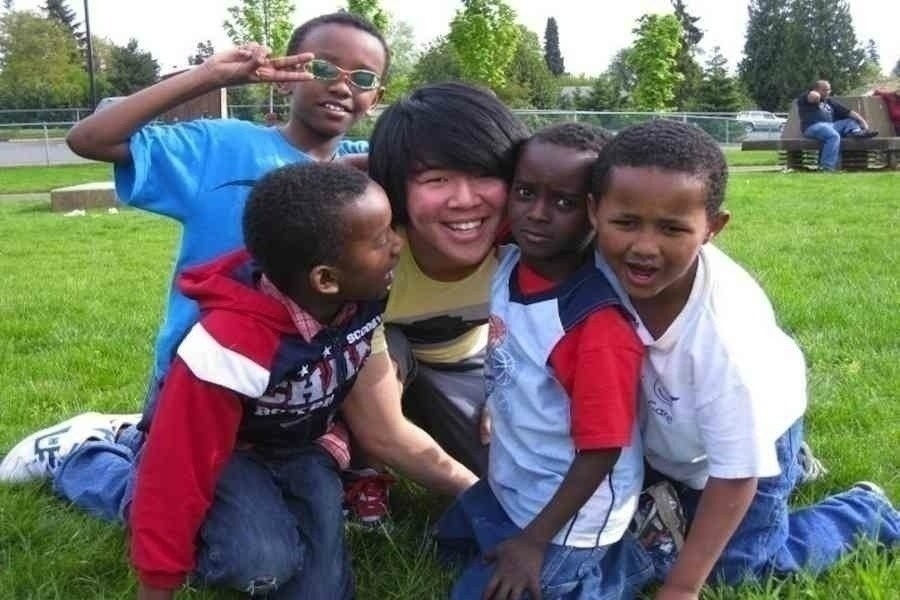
pixel 812 467
pixel 366 494
pixel 38 455
pixel 659 524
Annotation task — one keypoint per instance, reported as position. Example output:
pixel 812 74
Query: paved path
pixel 37 152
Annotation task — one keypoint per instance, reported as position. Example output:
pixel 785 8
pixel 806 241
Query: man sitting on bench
pixel 823 118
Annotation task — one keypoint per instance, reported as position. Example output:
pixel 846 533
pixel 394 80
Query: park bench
pixel 800 153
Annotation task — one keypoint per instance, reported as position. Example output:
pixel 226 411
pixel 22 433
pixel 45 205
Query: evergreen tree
pixel 718 91
pixel 691 74
pixel 131 69
pixel 552 55
pixel 529 83
pixel 59 11
pixel 766 68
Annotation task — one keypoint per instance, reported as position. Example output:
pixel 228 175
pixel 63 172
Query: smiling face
pixel 650 225
pixel 327 109
pixel 370 250
pixel 453 220
pixel 548 207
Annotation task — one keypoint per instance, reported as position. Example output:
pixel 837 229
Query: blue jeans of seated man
pixel 774 540
pixel 830 135
pixel 276 526
pixel 476 523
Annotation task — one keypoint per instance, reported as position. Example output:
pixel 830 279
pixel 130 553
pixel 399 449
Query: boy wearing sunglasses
pixel 200 173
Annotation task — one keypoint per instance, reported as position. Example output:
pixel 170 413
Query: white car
pixel 760 120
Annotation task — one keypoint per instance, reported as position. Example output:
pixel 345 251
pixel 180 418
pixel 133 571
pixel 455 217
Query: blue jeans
pixel 773 540
pixel 830 135
pixel 275 527
pixel 476 523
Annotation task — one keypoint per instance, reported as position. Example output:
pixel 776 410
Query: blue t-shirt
pixel 200 174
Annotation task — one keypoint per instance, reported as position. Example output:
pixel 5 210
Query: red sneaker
pixel 366 494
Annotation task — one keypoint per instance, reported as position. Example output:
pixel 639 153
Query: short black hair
pixel 340 18
pixel 450 125
pixel 293 218
pixel 577 136
pixel 669 145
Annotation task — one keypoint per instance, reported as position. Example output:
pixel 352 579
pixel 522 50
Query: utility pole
pixel 90 56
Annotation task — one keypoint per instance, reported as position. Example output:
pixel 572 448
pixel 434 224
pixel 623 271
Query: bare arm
pixel 519 559
pixel 373 412
pixel 104 135
pixel 723 504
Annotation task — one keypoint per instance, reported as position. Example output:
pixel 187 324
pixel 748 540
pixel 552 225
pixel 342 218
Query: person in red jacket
pixel 892 103
pixel 231 488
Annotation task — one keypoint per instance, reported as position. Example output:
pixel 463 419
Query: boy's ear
pixel 592 209
pixel 378 96
pixel 717 223
pixel 324 279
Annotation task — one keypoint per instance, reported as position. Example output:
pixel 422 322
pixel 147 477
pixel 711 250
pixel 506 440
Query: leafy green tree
pixel 485 36
pixel 267 22
pixel 691 73
pixel 371 11
pixel 529 83
pixel 402 42
pixel 131 69
pixel 719 91
pixel 40 66
pixel 204 50
pixel 552 54
pixel 654 60
pixel 612 90
pixel 439 62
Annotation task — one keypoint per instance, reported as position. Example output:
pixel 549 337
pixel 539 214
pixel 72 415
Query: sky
pixel 590 31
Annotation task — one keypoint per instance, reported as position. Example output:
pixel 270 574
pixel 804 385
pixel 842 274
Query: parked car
pixel 760 120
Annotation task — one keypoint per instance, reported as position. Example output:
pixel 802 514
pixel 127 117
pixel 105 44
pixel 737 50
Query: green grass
pixel 739 158
pixel 81 299
pixel 19 180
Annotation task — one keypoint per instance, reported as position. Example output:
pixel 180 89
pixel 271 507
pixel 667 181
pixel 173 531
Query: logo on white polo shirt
pixel 500 364
pixel 661 401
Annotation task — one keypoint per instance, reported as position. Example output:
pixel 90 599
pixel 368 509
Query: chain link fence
pixel 36 137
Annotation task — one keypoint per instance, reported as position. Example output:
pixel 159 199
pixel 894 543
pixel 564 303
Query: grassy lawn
pixel 17 180
pixel 82 298
pixel 738 158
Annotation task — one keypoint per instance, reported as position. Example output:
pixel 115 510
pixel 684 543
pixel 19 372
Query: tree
pixel 131 69
pixel 719 91
pixel 204 51
pixel 27 39
pixel 402 42
pixel 267 22
pixel 612 90
pixel 654 60
pixel 529 83
pixel 691 73
pixel 552 55
pixel 871 68
pixel 439 62
pixel 485 36
pixel 791 44
pixel 59 11
pixel 371 11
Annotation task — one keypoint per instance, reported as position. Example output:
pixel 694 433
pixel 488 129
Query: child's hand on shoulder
pixel 253 63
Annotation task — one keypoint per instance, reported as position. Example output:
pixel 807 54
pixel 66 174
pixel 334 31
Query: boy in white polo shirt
pixel 723 387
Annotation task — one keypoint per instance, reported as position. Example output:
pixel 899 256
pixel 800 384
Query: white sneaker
pixel 38 455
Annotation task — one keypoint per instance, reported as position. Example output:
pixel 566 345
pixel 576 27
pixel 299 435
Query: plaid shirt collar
pixel 307 326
